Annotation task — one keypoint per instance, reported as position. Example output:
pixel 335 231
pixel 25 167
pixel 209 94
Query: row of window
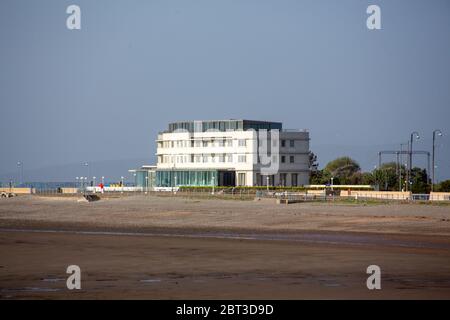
pixel 201 143
pixel 263 180
pixel 291 143
pixel 291 159
pixel 214 158
pixel 202 158
pixel 214 143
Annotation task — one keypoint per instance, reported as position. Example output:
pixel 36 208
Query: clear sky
pixel 101 94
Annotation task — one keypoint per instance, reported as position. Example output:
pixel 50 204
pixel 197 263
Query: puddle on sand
pixel 150 280
pixel 30 289
pixel 53 279
pixel 332 285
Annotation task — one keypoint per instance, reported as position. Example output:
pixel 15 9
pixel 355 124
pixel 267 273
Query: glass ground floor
pixel 174 178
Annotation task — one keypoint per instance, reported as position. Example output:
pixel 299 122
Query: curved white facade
pixel 236 152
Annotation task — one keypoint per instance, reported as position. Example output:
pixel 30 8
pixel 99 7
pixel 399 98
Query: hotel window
pixel 291 159
pixel 172 144
pixel 213 158
pixel 198 143
pixel 205 158
pixel 230 143
pixel 242 142
pixel 221 158
pixel 241 179
pixel 192 158
pixel 283 143
pixel 205 143
pixel 242 158
pixel 283 179
pixel 222 143
pixel 230 158
pixel 283 159
pixel 292 143
pixel 294 179
pixel 192 143
pixel 198 158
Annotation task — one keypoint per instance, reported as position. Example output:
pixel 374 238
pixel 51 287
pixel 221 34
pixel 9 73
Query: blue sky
pixel 101 94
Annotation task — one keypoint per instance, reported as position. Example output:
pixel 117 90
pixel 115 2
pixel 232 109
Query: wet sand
pixel 166 248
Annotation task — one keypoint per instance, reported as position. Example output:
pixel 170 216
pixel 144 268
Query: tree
pixel 363 178
pixel 419 181
pixel 387 176
pixel 319 177
pixel 313 164
pixel 444 186
pixel 342 169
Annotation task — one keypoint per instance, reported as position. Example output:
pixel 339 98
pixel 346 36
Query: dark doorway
pixel 227 178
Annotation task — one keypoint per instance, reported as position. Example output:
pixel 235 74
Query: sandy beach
pixel 149 247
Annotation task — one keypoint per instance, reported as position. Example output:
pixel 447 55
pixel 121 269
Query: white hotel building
pixel 227 153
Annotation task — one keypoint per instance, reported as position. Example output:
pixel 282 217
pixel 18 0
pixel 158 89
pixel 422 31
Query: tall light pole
pixel 93 182
pixel 121 179
pixel 416 134
pixel 439 133
pixel 20 167
pixel 175 179
pixel 86 164
pixel 400 181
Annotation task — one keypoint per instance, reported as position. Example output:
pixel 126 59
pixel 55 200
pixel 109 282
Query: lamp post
pixel 175 184
pixel 103 180
pixel 93 182
pixel 400 181
pixel 20 167
pixel 439 133
pixel 416 134
pixel 332 179
pixel 86 164
pixel 121 182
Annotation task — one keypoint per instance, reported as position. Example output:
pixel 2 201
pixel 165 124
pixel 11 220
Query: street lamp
pixel 332 178
pixel 20 167
pixel 400 181
pixel 439 133
pixel 93 182
pixel 416 134
pixel 103 180
pixel 175 178
pixel 86 164
pixel 121 180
